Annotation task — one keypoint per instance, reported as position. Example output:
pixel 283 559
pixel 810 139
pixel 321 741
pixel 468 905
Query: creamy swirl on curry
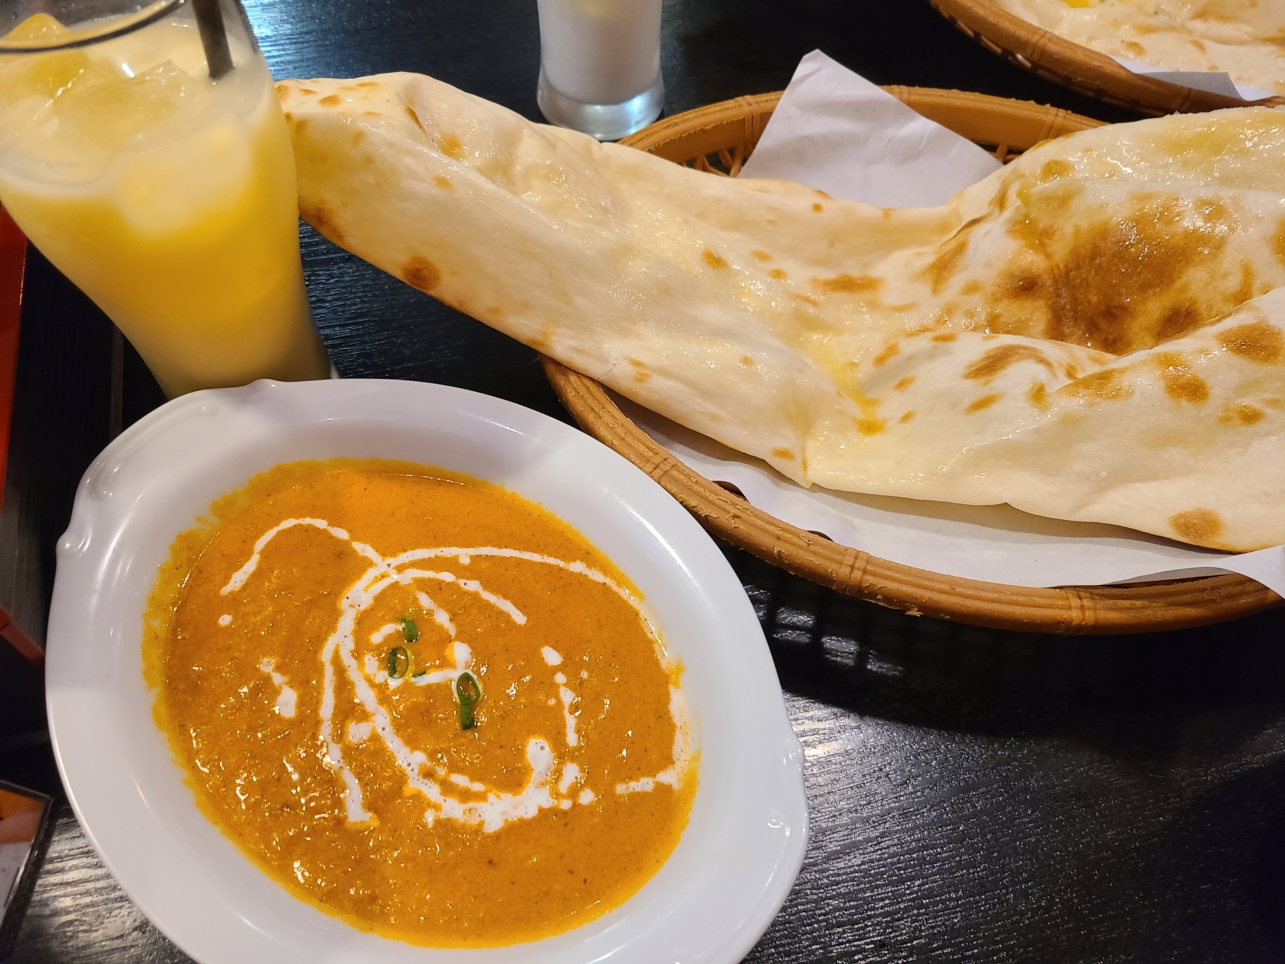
pixel 420 702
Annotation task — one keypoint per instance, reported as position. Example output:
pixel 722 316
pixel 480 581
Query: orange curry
pixel 420 702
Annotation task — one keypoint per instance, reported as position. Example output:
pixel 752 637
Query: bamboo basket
pixel 1072 65
pixel 717 139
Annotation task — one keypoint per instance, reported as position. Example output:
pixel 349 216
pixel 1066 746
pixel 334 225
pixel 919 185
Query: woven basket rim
pixel 1070 610
pixel 1075 66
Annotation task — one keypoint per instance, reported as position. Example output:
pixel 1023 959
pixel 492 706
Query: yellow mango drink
pixel 167 197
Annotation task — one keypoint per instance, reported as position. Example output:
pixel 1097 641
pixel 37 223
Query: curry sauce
pixel 420 702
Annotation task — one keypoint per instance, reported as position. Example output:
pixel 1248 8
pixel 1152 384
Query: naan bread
pixel 1243 38
pixel 1091 333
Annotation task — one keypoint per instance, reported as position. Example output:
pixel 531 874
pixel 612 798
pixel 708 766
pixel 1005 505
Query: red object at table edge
pixel 13 257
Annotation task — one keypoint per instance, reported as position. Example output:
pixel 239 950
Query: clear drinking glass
pixel 600 65
pixel 144 152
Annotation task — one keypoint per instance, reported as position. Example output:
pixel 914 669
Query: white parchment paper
pixel 834 131
pixel 1214 81
pixel 841 134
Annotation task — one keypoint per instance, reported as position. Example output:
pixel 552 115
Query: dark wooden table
pixel 975 795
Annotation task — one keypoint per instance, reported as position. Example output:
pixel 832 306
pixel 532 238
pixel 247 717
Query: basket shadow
pixel 1126 695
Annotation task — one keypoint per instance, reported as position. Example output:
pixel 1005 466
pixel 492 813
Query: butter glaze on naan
pixel 1089 334
pixel 1243 38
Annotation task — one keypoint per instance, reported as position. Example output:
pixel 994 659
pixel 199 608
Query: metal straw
pixel 214 37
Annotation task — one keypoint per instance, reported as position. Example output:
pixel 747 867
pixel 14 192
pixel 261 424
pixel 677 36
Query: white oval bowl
pixel 744 844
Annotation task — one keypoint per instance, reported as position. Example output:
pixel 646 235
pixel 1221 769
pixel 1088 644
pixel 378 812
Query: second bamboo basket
pixel 1074 66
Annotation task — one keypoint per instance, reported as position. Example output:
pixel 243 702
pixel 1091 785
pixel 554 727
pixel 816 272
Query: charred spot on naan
pixel 996 359
pixel 1148 253
pixel 1199 526
pixel 1178 321
pixel 712 259
pixel 848 284
pixel 448 144
pixel 321 216
pixel 1104 385
pixel 983 403
pixel 1118 284
pixel 890 351
pixel 1242 413
pixel 1259 341
pixel 1180 382
pixel 870 426
pixel 419 272
pixel 1022 284
pixel 1054 169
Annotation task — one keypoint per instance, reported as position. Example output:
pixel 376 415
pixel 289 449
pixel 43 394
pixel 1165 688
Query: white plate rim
pixel 94 549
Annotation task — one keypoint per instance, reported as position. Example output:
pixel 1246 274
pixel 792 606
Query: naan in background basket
pixel 1092 333
pixel 1243 38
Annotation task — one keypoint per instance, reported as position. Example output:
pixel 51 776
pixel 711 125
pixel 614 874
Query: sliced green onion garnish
pixel 398 662
pixel 410 632
pixel 468 693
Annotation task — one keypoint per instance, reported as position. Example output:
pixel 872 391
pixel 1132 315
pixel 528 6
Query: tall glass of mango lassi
pixel 167 196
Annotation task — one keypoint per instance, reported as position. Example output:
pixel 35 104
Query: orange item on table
pixel 19 817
